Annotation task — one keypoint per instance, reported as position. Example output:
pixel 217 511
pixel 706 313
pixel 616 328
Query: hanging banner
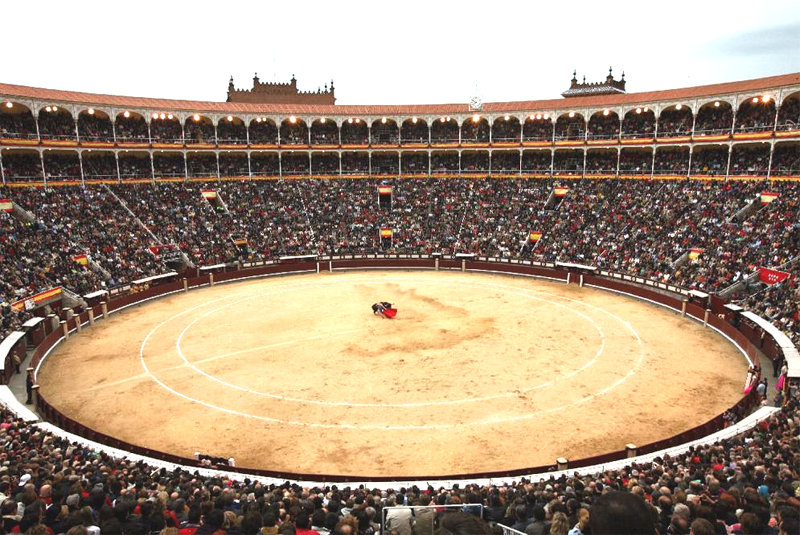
pixel 772 276
pixel 767 197
pixel 40 299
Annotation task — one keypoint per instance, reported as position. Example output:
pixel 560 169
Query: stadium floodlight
pixel 126 114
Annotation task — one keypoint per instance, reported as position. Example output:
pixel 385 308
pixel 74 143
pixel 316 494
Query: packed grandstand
pixel 698 188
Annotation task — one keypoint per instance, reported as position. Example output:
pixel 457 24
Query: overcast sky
pixel 409 52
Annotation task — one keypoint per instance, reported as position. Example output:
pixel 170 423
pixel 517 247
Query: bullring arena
pixel 278 373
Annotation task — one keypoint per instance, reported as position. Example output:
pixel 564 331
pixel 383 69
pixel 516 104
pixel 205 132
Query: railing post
pixel 562 463
pixel 683 307
pixel 68 312
pixel 211 279
pixel 630 450
pixel 185 284
pixel 463 265
pixel 705 317
pixel 64 330
pixel 91 316
pixel 78 326
pixel 581 281
pixel 437 264
pixel 53 321
pixel 104 308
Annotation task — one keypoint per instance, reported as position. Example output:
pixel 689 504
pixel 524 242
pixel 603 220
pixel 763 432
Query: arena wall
pixel 743 338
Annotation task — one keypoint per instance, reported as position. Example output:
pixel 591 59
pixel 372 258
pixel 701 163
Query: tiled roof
pixel 11 91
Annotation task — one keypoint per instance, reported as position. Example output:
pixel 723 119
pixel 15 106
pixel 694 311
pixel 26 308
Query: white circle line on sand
pixel 420 427
pixel 384 405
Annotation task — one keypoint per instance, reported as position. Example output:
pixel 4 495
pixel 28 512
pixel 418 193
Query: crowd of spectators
pixel 570 128
pixel 19 124
pixel 131 129
pixel 22 166
pixel 506 129
pixel 755 116
pixel 95 127
pixel 353 133
pixel 324 133
pixel 537 129
pixel 786 160
pixel 639 123
pixel 601 162
pixel 674 122
pixel 749 160
pixel 745 485
pixel 713 119
pixel 635 161
pixel 231 131
pixel 167 130
pixel 710 161
pixel 56 124
pixel 603 126
pixel 472 131
pixel 200 130
pixel 789 114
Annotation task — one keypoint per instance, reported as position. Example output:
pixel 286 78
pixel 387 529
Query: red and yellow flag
pixel 385 190
pixel 209 193
pixel 560 191
pixel 695 253
pixel 81 259
pixel 767 197
pixel 6 205
pixel 386 233
pixel 535 236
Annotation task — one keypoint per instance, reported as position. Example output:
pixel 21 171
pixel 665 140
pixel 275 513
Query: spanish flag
pixel 384 190
pixel 6 205
pixel 767 197
pixel 535 236
pixel 695 253
pixel 81 259
pixel 560 191
pixel 209 193
pixel 386 233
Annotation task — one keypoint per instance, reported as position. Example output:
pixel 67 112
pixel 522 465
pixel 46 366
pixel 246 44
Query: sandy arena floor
pixel 477 373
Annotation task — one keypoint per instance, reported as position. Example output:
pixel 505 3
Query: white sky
pixel 408 52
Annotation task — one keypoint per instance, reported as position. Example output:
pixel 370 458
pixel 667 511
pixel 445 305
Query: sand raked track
pixel 477 373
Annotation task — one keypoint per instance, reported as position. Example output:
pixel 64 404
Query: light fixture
pixel 765 98
pixel 162 116
pixel 322 121
pixel 350 121
pixel 605 112
pixel 572 114
pixel 155 116
pixel 755 99
pixel 292 119
pixel 441 120
pixel 126 114
pixel 358 120
pixel 230 118
pixel 383 120
pixel 90 111
pixel 678 106
pixel 534 117
pixel 716 103
pixel 646 109
pixel 258 119
pixel 539 116
pixel 507 117
pixel 196 117
pixel 546 116
pixel 638 110
pixel 55 108
pixel 414 120
pixel 48 108
pixel 9 105
pixel 169 116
